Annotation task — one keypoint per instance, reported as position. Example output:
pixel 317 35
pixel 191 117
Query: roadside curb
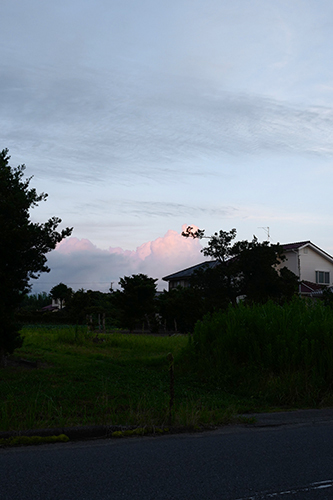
pixel 294 417
pixel 274 419
pixel 74 433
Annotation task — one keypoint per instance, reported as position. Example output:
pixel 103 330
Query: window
pixel 322 277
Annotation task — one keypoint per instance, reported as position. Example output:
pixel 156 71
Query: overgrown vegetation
pixel 112 379
pixel 281 354
pixel 247 358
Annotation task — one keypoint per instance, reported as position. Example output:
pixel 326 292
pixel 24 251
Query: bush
pixel 255 348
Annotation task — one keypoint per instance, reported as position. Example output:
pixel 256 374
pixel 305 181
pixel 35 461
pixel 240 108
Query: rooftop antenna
pixel 266 229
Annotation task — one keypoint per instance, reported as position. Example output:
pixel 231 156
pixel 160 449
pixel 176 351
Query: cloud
pixel 80 264
pixel 166 136
pixel 170 209
pixel 125 92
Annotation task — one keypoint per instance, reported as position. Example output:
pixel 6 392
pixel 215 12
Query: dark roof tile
pixel 186 273
pixel 294 246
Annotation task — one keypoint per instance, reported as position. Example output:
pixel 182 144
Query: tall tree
pixel 180 308
pixel 23 246
pixel 136 301
pixel 246 268
pixel 219 285
pixel 260 279
pixel 83 303
pixel 61 292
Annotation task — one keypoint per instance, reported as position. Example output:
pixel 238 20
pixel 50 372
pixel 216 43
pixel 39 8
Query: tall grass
pixel 284 353
pixel 120 380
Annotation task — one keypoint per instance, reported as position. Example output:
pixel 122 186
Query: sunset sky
pixel 140 117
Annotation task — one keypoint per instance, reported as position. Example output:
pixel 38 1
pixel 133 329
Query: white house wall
pixel 310 262
pixel 291 262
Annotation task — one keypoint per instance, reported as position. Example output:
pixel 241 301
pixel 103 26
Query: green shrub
pixel 263 346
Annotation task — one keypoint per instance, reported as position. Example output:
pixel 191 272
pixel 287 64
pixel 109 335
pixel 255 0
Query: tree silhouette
pixel 243 268
pixel 136 301
pixel 23 246
pixel 61 292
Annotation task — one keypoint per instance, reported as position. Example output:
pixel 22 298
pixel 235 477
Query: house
pixel 49 308
pixel 182 278
pixel 313 267
pixel 58 303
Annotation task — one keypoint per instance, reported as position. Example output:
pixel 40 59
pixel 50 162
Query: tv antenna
pixel 266 229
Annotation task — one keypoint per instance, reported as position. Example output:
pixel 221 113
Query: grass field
pixel 121 380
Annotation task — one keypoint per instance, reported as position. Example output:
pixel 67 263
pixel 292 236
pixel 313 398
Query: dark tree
pixel 220 247
pixel 216 286
pixel 35 302
pixel 246 268
pixel 85 303
pixel 136 301
pixel 180 308
pixel 23 246
pixel 61 292
pixel 259 276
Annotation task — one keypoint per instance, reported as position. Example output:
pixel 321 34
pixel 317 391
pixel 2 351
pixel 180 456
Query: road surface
pixel 289 462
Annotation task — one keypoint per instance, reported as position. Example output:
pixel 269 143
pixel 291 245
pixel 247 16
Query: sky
pixel 141 118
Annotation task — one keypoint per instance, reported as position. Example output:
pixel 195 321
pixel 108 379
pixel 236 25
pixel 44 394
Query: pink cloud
pixel 80 264
pixel 72 244
pixel 168 247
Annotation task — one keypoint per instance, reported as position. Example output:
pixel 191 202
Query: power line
pixel 70 282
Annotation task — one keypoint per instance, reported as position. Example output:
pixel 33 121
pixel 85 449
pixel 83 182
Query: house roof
pixel 186 273
pixel 49 308
pixel 295 246
pixel 302 244
pixel 310 287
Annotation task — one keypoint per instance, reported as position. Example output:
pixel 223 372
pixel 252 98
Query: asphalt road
pixel 234 463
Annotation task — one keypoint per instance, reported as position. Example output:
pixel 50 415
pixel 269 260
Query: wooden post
pixel 89 322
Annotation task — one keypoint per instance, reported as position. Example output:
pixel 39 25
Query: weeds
pixel 123 380
pixel 282 353
pixel 243 360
